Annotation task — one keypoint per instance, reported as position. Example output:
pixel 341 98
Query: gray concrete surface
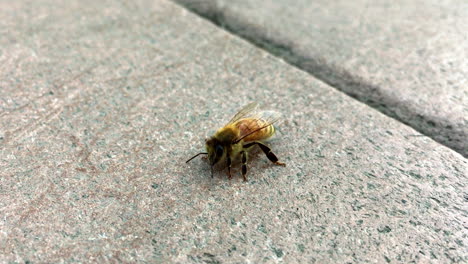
pixel 405 58
pixel 102 103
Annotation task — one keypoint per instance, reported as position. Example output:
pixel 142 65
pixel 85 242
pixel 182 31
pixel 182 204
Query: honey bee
pixel 248 128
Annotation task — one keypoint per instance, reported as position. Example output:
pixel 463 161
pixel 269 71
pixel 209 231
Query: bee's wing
pixel 265 118
pixel 246 112
pixel 268 116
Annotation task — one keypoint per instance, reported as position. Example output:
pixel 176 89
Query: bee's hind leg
pixel 270 155
pixel 228 160
pixel 244 164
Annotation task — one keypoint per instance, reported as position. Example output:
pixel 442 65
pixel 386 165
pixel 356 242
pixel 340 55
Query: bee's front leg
pixel 228 160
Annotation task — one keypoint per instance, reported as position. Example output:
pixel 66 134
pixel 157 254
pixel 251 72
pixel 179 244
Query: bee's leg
pixel 244 164
pixel 270 155
pixel 228 160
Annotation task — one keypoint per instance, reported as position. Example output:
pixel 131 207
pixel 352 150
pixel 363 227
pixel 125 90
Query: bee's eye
pixel 219 150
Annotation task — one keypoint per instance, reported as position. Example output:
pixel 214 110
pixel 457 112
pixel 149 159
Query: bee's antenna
pixel 201 153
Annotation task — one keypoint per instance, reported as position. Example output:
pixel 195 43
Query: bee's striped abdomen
pixel 248 126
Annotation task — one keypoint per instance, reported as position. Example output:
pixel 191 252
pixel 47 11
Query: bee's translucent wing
pixel 246 112
pixel 267 116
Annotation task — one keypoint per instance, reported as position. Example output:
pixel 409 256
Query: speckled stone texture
pixel 103 101
pixel 405 58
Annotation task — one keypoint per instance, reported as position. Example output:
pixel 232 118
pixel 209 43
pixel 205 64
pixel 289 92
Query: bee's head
pixel 215 151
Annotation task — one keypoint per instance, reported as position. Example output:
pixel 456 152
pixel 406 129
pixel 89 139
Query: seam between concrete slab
pixel 333 75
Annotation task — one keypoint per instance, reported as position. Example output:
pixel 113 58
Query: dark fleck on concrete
pixel 278 252
pixel 385 229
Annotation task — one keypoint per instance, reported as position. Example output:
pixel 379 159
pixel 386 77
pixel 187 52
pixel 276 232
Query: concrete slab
pixel 405 58
pixel 102 103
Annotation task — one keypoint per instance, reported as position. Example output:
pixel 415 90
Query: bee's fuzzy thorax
pixel 226 135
